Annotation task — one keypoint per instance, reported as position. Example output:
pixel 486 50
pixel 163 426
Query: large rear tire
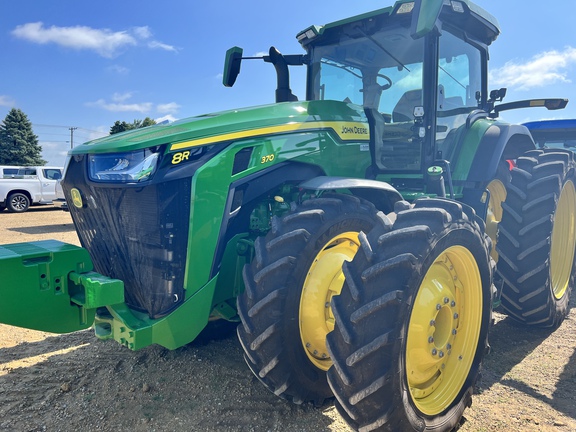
pixel 285 309
pixel 537 238
pixel 412 320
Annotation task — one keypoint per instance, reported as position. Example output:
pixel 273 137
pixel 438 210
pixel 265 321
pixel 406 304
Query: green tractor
pixel 365 212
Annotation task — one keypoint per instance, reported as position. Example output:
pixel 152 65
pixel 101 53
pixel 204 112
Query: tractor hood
pixel 226 125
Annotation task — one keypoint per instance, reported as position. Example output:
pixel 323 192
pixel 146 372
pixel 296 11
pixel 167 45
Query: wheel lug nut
pixel 456 316
pixel 453 303
pixel 441 354
pixel 438 307
pixel 430 339
pixel 446 300
pixel 432 323
pixel 454 331
pixel 434 352
pixel 448 346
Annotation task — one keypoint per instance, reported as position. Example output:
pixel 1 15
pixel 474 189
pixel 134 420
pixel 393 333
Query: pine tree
pixel 18 144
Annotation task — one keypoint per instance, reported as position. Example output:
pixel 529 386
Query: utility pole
pixel 72 129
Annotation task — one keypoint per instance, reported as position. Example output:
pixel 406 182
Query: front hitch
pixel 50 286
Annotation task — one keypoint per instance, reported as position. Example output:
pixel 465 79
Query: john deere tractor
pixel 350 234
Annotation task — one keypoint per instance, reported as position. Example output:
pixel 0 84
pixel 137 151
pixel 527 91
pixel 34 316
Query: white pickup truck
pixel 30 185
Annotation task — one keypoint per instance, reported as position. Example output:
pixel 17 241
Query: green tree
pixel 18 144
pixel 122 126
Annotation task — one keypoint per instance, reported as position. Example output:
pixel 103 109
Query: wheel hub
pixel 323 281
pixel 494 212
pixel 18 203
pixel 563 241
pixel 444 330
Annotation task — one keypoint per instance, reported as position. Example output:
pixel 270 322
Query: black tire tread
pixel 524 238
pixel 366 343
pixel 270 339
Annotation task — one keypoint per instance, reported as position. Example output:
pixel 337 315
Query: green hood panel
pixel 224 123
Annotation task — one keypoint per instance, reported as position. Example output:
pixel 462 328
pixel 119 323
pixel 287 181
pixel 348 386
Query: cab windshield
pixel 378 71
pixel 383 72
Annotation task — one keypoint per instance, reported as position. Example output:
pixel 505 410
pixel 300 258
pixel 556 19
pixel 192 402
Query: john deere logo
pixel 76 197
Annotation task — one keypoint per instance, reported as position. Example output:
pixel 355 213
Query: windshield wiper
pixel 341 66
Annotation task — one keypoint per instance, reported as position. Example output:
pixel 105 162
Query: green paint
pixel 50 286
pixel 35 288
pixel 136 330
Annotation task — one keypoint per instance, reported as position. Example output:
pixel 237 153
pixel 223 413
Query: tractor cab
pixel 418 74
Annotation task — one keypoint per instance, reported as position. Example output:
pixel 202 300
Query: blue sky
pixel 78 64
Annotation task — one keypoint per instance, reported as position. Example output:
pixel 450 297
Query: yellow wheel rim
pixel 323 281
pixel 494 215
pixel 563 240
pixel 444 329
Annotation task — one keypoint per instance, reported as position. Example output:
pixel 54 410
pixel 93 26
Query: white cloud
pixel 543 69
pixel 168 108
pixel 120 102
pixel 121 97
pixel 105 42
pixel 7 101
pixel 142 32
pixel 142 107
pixel 162 46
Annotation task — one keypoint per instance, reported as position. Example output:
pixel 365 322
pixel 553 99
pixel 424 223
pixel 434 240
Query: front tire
pixel 412 320
pixel 285 309
pixel 537 238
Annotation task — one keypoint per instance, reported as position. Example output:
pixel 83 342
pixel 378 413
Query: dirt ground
pixel 75 382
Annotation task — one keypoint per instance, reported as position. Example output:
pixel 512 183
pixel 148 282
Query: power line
pixel 68 127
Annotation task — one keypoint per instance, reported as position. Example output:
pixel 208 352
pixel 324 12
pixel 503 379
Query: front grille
pixel 136 234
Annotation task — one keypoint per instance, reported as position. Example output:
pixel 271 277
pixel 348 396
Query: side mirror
pixel 232 66
pixel 425 13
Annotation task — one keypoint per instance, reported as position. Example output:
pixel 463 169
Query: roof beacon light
pixel 405 8
pixel 457 6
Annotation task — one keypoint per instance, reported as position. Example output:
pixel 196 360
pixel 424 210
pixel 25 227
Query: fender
pixel 499 142
pixel 381 194
pixel 244 192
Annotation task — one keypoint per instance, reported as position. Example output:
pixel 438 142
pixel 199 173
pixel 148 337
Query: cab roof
pixel 463 14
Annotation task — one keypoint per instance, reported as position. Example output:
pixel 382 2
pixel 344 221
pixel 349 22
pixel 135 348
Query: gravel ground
pixel 71 382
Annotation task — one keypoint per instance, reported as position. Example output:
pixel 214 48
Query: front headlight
pixel 127 167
